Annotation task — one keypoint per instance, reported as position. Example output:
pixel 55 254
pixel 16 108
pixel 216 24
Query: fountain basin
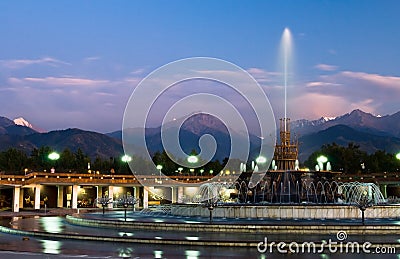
pixel 287 211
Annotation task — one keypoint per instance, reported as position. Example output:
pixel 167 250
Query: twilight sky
pixel 74 64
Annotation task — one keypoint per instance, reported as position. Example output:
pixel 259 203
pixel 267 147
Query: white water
pixel 286 45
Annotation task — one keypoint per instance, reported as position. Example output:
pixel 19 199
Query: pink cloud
pixel 326 67
pixel 385 81
pixel 19 63
pixel 61 81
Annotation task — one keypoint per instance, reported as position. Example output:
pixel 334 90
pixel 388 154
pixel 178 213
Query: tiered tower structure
pixel 286 152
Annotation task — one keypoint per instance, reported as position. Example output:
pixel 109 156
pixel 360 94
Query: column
pixel 60 196
pixel 21 198
pixel 136 194
pixel 74 197
pixel 16 198
pixel 110 195
pixel 99 195
pixel 173 194
pixel 37 197
pixel 180 194
pixel 145 197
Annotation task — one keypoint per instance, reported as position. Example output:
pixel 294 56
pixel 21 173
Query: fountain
pixel 126 201
pixel 294 190
pixel 103 201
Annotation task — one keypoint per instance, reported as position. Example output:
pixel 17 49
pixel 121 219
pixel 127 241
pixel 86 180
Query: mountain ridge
pixel 368 131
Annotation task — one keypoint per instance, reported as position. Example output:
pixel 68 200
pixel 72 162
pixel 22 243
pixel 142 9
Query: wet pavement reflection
pixel 14 246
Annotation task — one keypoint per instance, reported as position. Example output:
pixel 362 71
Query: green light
pixel 398 156
pixel 54 156
pixel 322 159
pixel 126 158
pixel 261 160
pixel 192 159
pixel 159 167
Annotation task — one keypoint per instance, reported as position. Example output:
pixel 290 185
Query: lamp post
pixel 398 158
pixel 260 161
pixel 192 160
pixel 54 156
pixel 126 159
pixel 159 167
pixel 321 160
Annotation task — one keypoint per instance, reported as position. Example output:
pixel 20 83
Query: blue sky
pixel 74 64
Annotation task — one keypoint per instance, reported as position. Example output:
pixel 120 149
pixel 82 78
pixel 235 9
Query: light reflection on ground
pixel 37 247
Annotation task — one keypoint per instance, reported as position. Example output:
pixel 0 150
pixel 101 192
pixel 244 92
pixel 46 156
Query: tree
pixel 13 160
pixel 346 159
pixel 39 158
pixel 82 161
pixel 67 161
pixel 169 166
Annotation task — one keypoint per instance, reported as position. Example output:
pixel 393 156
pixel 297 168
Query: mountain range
pixel 370 132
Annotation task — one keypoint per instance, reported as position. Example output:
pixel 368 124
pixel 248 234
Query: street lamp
pixel 261 160
pixel 398 156
pixel 193 159
pixel 53 156
pixel 126 158
pixel 321 160
pixel 159 167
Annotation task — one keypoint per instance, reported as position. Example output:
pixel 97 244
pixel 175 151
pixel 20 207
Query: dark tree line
pixel 348 159
pixel 17 162
pixel 352 160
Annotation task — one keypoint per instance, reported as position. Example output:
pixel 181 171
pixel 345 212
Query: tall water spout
pixel 286 45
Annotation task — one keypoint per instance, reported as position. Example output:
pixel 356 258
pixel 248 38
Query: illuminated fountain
pixel 286 191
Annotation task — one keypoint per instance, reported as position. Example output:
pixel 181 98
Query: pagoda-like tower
pixel 286 153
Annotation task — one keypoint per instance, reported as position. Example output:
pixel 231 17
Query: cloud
pixel 264 77
pixel 57 81
pixel 320 84
pixel 325 67
pixel 334 94
pixel 138 71
pixel 19 63
pixel 379 80
pixel 91 59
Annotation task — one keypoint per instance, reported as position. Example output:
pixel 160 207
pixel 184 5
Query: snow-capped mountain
pixel 22 122
pixel 357 119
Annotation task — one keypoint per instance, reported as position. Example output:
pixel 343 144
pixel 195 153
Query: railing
pixel 370 177
pixel 155 180
pixel 100 179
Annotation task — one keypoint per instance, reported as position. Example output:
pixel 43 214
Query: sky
pixel 66 64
